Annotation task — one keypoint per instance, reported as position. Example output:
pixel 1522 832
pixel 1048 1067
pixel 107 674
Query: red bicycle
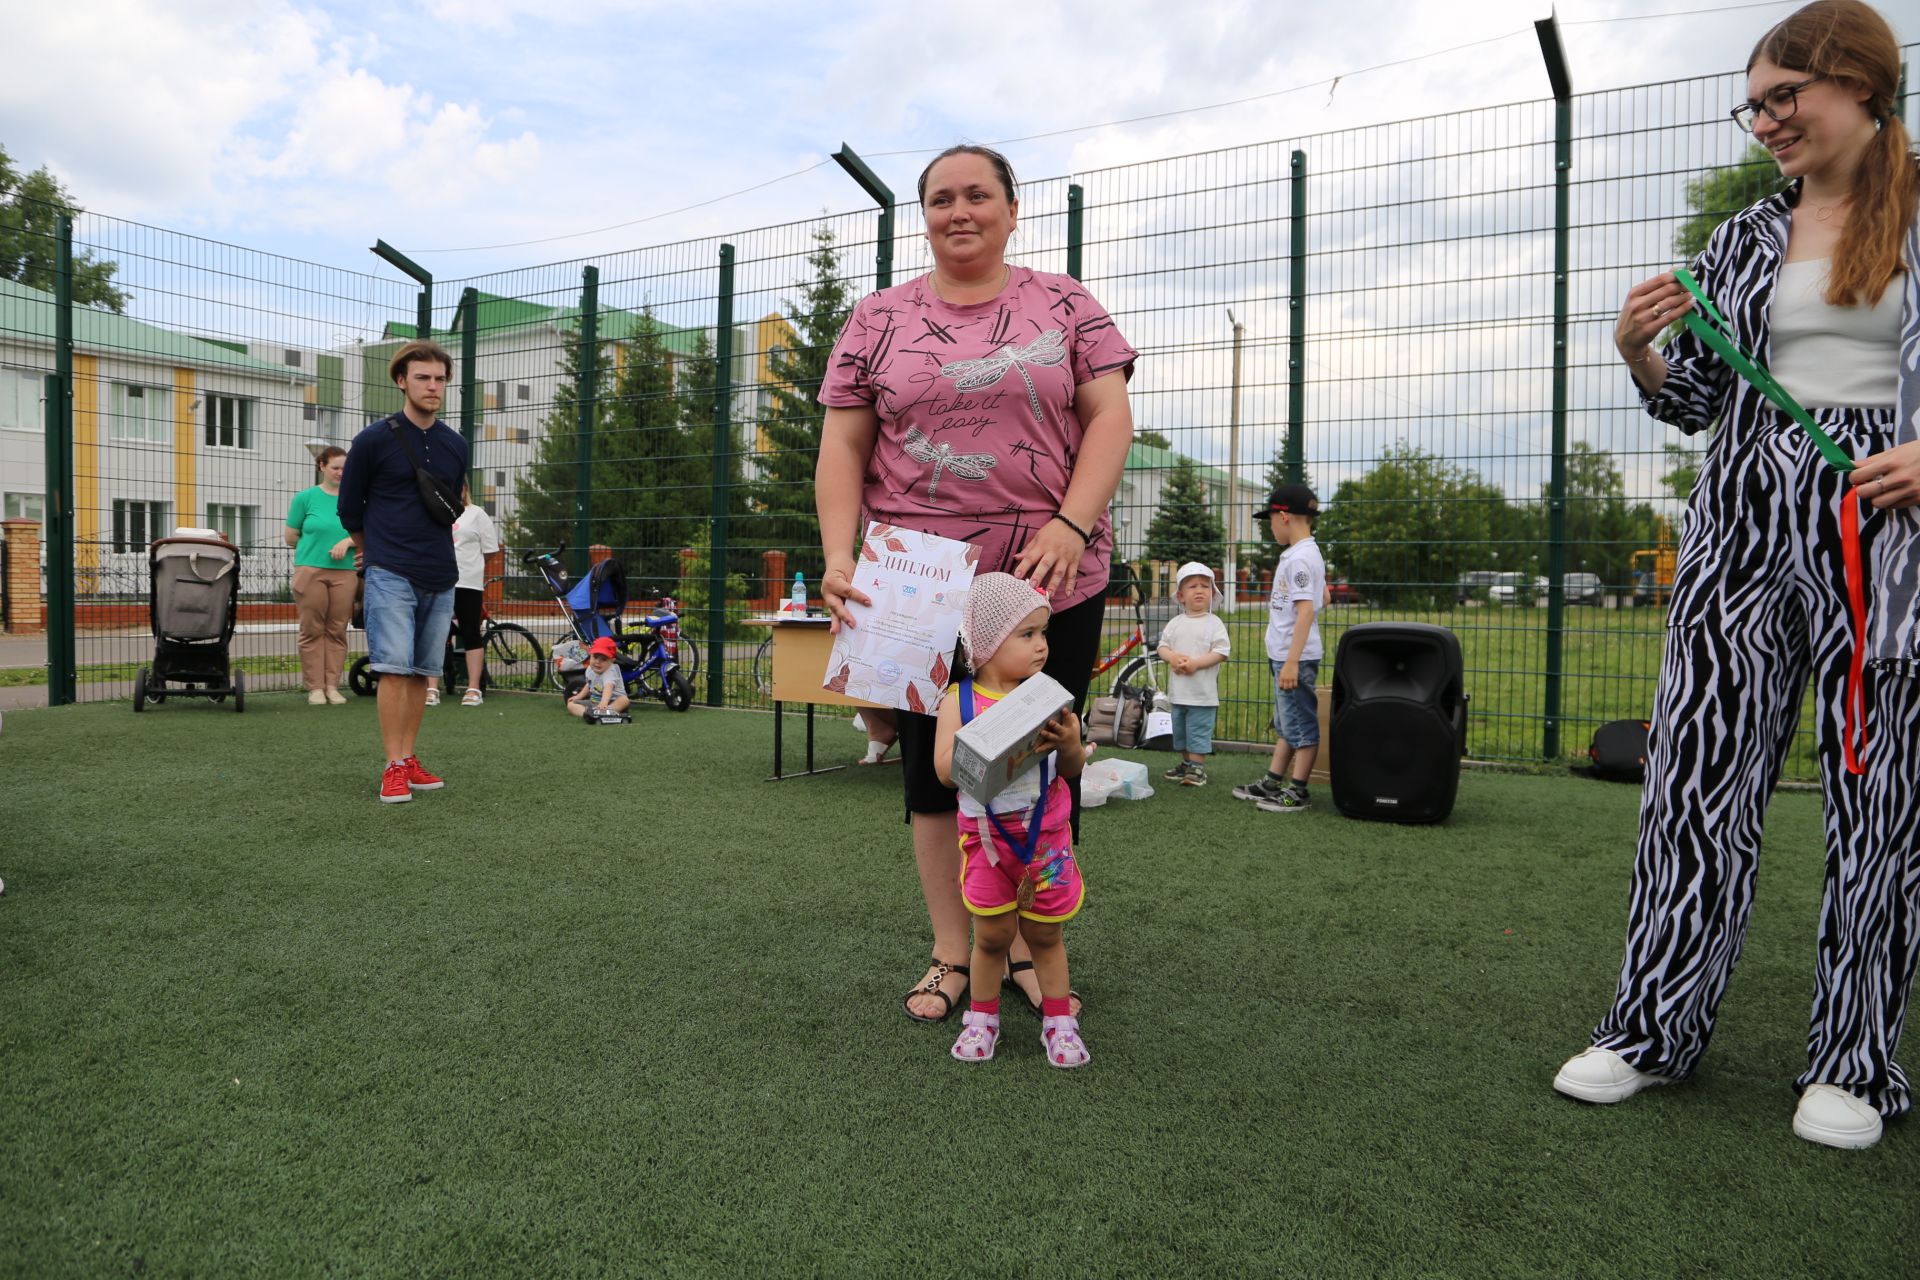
pixel 1141 677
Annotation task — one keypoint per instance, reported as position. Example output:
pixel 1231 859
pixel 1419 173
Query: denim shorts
pixel 406 627
pixel 1296 711
pixel 1193 729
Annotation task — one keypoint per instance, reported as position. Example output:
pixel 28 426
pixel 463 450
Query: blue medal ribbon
pixel 1021 849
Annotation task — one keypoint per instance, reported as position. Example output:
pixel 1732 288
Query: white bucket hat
pixel 1194 569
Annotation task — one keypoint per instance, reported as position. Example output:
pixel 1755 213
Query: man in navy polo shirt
pixel 407 554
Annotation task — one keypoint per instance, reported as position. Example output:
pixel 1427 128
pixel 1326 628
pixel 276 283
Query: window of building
pixel 235 522
pixel 229 422
pixel 20 400
pixel 25 506
pixel 137 523
pixel 141 413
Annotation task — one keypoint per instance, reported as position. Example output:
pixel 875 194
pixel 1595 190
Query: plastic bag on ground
pixel 1121 779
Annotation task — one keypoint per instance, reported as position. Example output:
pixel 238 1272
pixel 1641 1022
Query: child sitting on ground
pixel 1017 870
pixel 605 689
pixel 1193 645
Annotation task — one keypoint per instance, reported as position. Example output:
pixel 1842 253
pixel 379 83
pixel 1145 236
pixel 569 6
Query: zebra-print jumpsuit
pixel 1759 606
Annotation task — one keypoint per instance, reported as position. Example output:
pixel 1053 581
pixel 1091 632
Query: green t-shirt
pixel 316 514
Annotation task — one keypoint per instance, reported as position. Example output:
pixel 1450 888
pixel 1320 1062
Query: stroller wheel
pixel 239 691
pixel 362 678
pixel 140 690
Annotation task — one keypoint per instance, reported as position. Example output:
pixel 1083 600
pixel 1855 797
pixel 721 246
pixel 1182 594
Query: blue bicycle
pixel 649 650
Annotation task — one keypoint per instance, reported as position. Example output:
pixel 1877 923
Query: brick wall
pixel 22 587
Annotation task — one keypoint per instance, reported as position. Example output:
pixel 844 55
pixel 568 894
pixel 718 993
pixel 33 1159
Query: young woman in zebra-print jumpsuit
pixel 1761 594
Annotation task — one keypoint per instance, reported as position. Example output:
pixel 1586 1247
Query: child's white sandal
pixel 979 1037
pixel 1060 1038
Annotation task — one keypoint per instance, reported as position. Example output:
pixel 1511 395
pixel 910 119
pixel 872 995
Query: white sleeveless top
pixel 1834 356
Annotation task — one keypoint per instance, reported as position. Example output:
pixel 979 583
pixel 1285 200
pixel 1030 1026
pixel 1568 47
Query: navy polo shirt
pixel 380 499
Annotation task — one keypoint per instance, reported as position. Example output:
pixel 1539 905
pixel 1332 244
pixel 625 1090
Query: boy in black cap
pixel 1293 650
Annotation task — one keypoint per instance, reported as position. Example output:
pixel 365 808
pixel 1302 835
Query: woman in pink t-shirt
pixel 985 402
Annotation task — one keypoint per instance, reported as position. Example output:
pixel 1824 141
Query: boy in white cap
pixel 1193 646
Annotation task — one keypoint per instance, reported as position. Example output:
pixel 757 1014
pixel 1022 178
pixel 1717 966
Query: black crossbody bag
pixel 442 507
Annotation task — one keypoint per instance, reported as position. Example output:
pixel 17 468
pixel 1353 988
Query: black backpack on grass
pixel 1619 752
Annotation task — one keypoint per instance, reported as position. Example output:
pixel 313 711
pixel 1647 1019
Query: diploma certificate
pixel 899 650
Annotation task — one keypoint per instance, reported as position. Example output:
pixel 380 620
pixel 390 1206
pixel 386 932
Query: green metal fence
pixel 1415 318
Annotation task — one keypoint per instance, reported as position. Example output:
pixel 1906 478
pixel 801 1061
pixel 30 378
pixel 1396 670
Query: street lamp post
pixel 1234 504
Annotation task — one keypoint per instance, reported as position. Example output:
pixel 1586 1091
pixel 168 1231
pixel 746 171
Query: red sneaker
pixel 393 785
pixel 418 778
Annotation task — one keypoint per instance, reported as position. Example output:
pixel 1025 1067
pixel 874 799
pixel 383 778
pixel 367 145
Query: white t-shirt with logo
pixel 1300 575
pixel 1195 637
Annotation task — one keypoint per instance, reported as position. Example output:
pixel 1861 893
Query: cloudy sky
pixel 310 129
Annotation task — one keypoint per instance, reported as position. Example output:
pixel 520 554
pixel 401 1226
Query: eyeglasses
pixel 1780 103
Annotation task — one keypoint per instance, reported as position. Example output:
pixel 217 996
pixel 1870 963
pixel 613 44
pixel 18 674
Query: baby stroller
pixel 595 607
pixel 195 585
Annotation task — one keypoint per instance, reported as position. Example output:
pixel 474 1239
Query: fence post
pixel 423 308
pixel 882 195
pixel 1076 227
pixel 62 686
pixel 468 324
pixel 1296 447
pixel 588 395
pixel 717 540
pixel 1549 34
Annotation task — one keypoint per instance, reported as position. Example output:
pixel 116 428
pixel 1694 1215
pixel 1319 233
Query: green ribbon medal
pixel 1717 334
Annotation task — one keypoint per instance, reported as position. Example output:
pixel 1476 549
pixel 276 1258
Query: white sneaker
pixel 316 697
pixel 1832 1117
pixel 1601 1075
pixel 433 697
pixel 335 698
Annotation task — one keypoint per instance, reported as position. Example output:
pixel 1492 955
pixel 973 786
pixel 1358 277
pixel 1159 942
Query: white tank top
pixel 1834 356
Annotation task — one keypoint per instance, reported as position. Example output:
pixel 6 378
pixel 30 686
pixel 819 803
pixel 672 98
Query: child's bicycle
pixel 594 606
pixel 514 659
pixel 1142 677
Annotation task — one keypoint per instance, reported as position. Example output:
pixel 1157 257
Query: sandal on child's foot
pixel 931 986
pixel 1060 1037
pixel 1033 1002
pixel 979 1037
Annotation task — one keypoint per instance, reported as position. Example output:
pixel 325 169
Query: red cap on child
pixel 605 647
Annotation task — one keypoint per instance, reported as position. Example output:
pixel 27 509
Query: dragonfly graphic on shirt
pixel 1045 351
pixel 970 466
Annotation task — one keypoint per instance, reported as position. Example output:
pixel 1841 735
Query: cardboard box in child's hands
pixel 998 745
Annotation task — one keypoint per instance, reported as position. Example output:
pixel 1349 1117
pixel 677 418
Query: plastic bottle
pixel 798 603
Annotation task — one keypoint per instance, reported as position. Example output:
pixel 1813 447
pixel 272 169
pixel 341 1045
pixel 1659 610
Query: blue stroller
pixel 596 606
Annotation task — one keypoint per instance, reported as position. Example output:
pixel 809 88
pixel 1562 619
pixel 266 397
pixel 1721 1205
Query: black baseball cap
pixel 1294 499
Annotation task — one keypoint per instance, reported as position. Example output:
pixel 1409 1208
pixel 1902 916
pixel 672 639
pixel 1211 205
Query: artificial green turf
pixel 612 1003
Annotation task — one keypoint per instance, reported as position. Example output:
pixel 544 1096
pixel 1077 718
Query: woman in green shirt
pixel 324 580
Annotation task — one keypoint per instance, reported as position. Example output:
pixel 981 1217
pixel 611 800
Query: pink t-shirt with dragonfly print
pixel 978 436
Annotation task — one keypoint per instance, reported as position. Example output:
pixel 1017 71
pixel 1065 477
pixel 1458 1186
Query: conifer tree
pixel 1183 528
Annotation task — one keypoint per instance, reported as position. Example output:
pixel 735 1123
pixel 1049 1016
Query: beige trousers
pixel 325 597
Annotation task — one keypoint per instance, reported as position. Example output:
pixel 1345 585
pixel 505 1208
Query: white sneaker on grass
pixel 316 697
pixel 1832 1117
pixel 1601 1075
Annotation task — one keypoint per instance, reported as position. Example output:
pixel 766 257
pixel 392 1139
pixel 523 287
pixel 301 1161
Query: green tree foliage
pixel 30 208
pixel 789 427
pixel 1685 464
pixel 543 511
pixel 1183 529
pixel 1152 438
pixel 1412 525
pixel 1718 194
pixel 1603 531
pixel 652 480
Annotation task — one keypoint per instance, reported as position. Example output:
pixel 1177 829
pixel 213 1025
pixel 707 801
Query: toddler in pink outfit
pixel 1017 869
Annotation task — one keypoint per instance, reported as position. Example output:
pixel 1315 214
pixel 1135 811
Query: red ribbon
pixel 1856 698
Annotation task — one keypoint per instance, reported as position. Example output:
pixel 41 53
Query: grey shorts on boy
pixel 1296 711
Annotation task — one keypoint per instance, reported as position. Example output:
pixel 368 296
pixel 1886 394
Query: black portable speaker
pixel 1399 722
